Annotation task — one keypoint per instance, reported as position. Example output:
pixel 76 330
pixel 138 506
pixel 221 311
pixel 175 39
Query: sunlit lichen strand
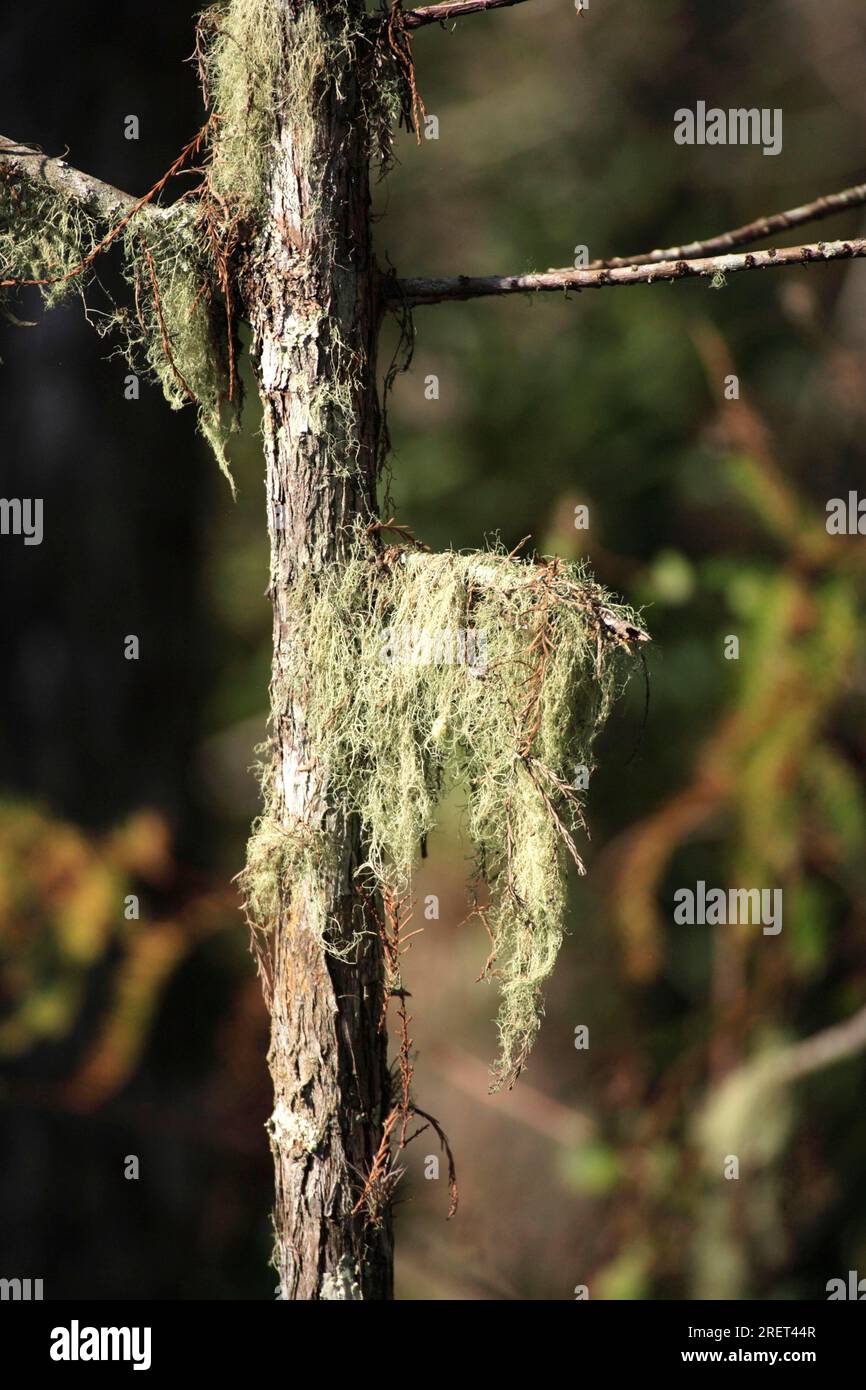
pixel 511 721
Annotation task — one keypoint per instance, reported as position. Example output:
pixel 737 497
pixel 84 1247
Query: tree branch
pixel 434 291
pixel 832 1044
pixel 103 198
pixel 41 170
pixel 454 9
pixel 762 227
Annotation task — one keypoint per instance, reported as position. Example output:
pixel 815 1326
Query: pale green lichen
pixel 294 1130
pixel 263 71
pixel 344 1286
pixel 180 326
pixel 470 669
pixel 44 236
pixel 244 75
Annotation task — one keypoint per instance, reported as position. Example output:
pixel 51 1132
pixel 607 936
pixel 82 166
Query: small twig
pixel 400 529
pixel 401 46
pixel 391 923
pixel 454 9
pixel 756 230
pixel 487 968
pixel 831 1045
pixel 452 1168
pixel 562 830
pixel 381 1162
pixel 518 547
pixel 436 291
pixel 530 716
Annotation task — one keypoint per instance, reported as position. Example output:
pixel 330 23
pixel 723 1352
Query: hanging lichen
pixel 471 669
pixel 180 325
pixel 180 328
pixel 184 262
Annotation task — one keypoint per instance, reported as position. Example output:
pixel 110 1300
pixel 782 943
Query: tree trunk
pixel 313 306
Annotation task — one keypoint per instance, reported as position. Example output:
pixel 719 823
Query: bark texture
pixel 314 314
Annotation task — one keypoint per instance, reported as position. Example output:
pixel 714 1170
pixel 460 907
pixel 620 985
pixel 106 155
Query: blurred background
pixel 146 1038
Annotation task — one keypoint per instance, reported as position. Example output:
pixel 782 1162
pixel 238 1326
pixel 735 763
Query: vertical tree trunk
pixel 314 314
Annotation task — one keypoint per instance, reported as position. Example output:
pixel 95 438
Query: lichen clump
pixel 43 237
pixel 423 671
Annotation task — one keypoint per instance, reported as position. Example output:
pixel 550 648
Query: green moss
pixel 470 669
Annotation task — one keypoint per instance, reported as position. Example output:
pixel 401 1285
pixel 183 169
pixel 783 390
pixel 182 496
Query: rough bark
pixel 314 314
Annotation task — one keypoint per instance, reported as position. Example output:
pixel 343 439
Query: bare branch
pixel 762 227
pixel 57 175
pixel 833 1044
pixel 435 291
pixel 454 9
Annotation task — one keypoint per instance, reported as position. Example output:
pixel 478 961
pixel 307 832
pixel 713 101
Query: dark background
pixel 148 1038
